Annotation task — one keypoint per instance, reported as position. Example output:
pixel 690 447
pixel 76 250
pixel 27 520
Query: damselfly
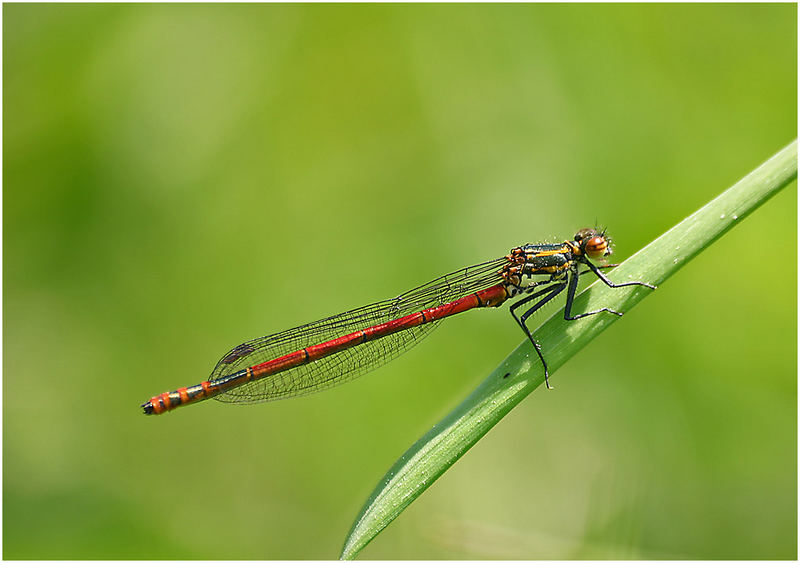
pixel 340 348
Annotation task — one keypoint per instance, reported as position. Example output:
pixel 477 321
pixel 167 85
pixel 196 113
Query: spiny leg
pixel 573 285
pixel 603 267
pixel 549 293
pixel 608 282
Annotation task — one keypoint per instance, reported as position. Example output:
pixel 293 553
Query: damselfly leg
pixel 549 293
pixel 546 295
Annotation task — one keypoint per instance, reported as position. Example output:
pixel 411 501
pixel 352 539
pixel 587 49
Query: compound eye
pixel 596 247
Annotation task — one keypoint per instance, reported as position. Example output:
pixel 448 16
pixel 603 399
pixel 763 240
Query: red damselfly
pixel 340 348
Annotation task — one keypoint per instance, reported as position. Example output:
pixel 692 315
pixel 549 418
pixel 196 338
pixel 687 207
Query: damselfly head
pixel 593 243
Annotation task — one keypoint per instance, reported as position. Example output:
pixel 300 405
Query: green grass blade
pixel 521 372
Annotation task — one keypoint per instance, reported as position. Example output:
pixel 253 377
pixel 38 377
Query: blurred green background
pixel 181 178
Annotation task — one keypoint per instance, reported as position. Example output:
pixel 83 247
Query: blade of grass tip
pixel 521 372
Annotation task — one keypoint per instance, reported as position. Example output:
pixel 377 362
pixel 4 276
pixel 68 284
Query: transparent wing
pixel 350 363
